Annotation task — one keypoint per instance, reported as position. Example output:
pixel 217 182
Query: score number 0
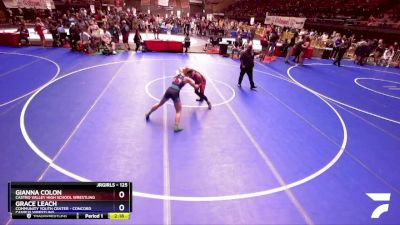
pixel 121 207
pixel 121 195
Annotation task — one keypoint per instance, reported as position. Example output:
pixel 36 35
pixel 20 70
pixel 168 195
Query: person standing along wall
pixel 303 53
pixel 39 29
pixel 290 47
pixel 125 34
pixel 137 39
pixel 342 50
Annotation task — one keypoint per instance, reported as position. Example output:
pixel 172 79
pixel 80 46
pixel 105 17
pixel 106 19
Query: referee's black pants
pixel 249 72
pixel 339 56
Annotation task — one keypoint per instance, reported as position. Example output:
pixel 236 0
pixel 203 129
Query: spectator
pixel 23 34
pixel 94 29
pixel 109 45
pixel 114 31
pixel 74 37
pixel 84 41
pixel 156 27
pixel 387 56
pixel 337 42
pixel 361 52
pixel 187 42
pixel 138 40
pixel 39 29
pixel 186 29
pixel 135 23
pixel 62 34
pixel 298 49
pixel 342 50
pixel 379 52
pixel 169 29
pixel 10 16
pixel 54 34
pixel 304 49
pixel 273 38
pixel 125 34
pixel 395 46
pixel 237 45
pixel 264 46
pixel 290 47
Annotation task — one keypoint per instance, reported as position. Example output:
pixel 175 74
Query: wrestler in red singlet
pixel 201 81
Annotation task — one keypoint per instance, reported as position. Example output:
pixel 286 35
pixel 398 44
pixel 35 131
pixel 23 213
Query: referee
pixel 246 66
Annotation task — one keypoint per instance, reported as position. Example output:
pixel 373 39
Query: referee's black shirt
pixel 247 59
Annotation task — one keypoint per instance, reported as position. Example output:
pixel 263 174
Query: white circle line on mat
pixel 35 56
pixel 335 100
pixel 375 91
pixel 77 177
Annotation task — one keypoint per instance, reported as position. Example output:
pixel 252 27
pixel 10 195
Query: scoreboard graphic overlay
pixel 70 200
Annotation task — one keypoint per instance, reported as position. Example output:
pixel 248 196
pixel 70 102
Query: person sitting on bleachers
pixel 95 34
pixel 237 45
pixel 387 56
pixel 62 34
pixel 84 42
pixel 23 34
pixel 108 46
pixel 115 31
pixel 361 52
pixel 74 37
pixel 378 52
pixel 10 16
pixel 273 38
pixel 54 34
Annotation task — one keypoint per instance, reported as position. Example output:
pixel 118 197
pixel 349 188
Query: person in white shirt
pixel 192 26
pixel 169 29
pixel 324 38
pixel 10 16
pixel 108 43
pixel 84 41
pixel 387 56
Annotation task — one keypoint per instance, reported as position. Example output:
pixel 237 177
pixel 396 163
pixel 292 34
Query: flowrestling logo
pixel 379 197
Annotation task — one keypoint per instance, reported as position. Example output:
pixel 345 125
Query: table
pixel 163 46
pixel 11 39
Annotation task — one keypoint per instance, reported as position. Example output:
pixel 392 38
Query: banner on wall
pixel 92 9
pixel 283 21
pixel 35 4
pixel 172 3
pixel 163 2
pixel 117 3
pixel 297 22
pixel 48 5
pixel 185 4
pixel 145 2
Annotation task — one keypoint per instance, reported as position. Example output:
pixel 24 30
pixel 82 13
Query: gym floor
pixel 305 148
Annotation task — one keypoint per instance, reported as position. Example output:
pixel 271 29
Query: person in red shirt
pixel 201 81
pixel 39 28
pixel 303 53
